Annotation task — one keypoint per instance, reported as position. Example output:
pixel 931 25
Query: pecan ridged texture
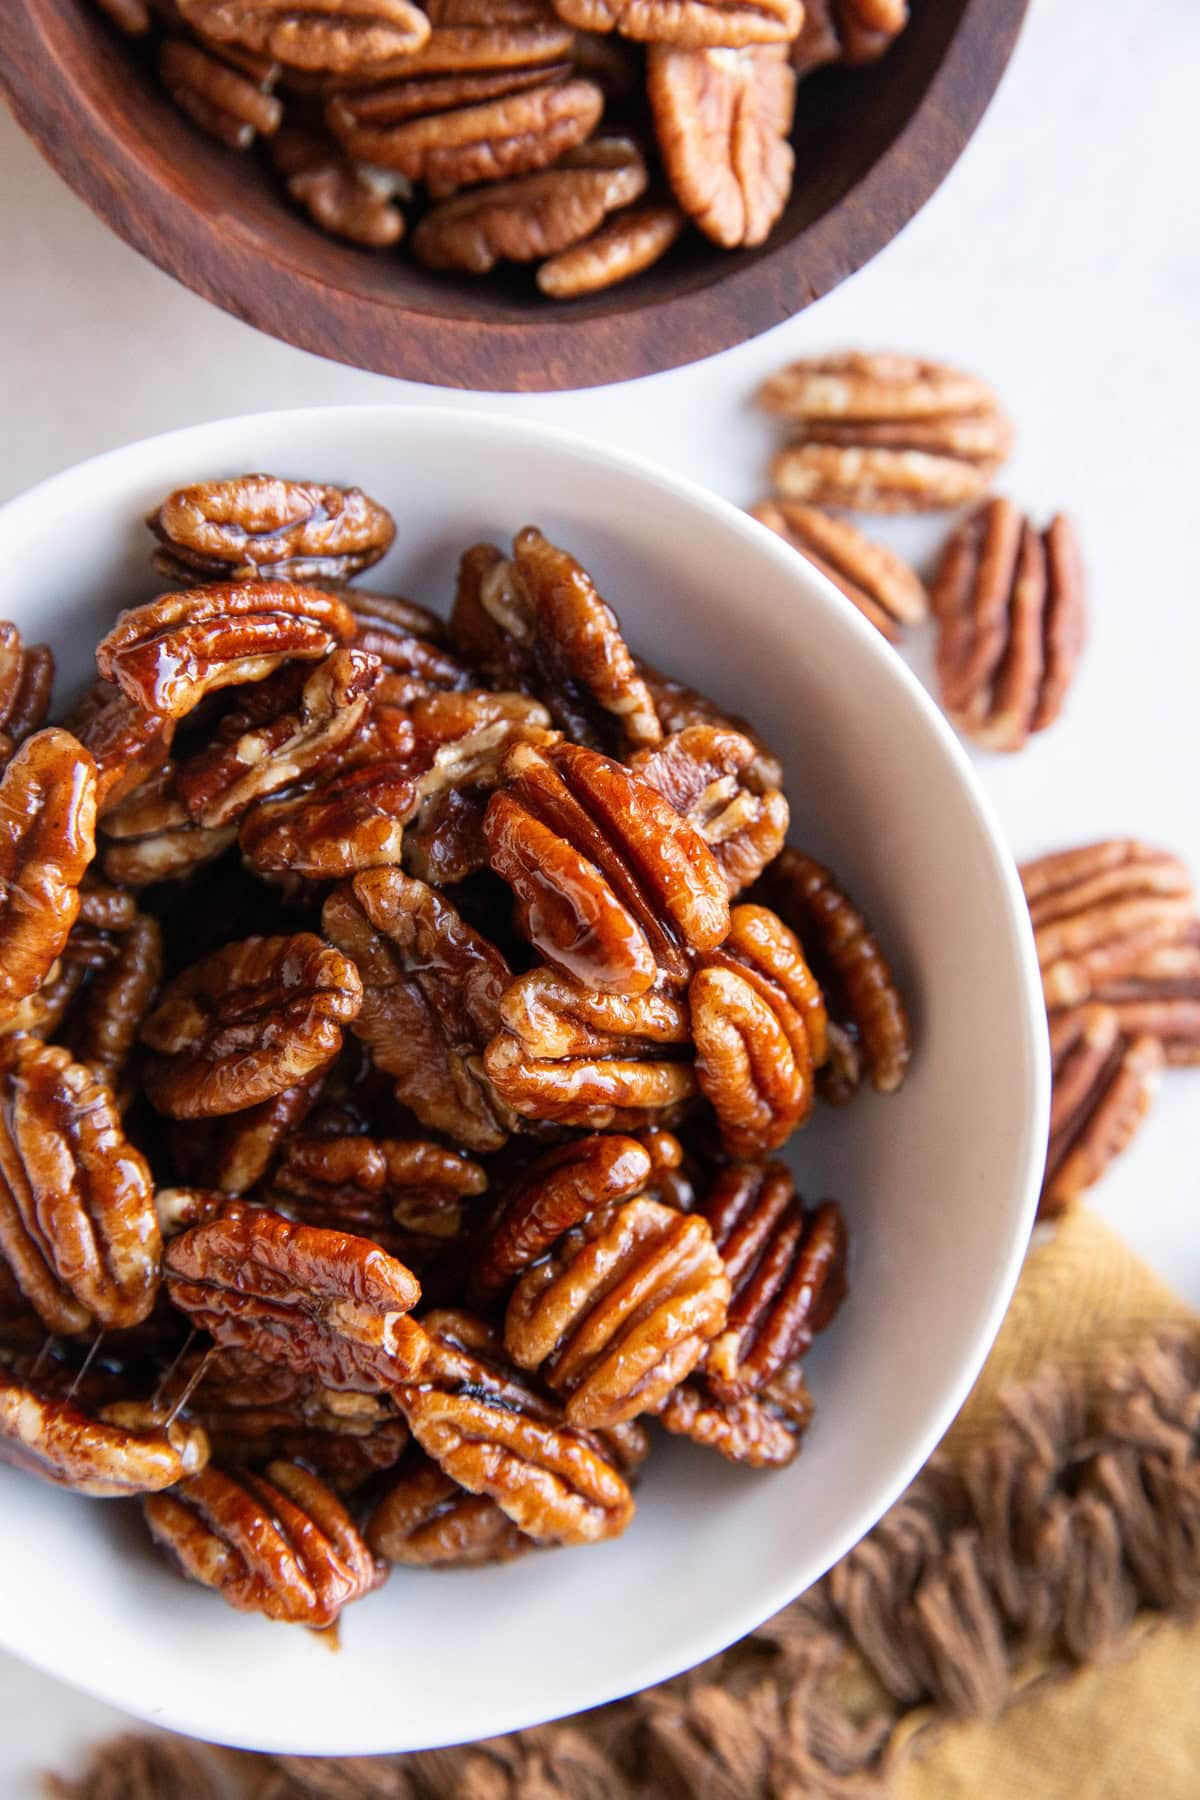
pixel 881 584
pixel 629 242
pixel 338 194
pixel 692 24
pixel 26 678
pixel 47 839
pixel 127 742
pixel 761 1431
pixel 149 835
pixel 103 1027
pixel 234 104
pixel 247 1022
pixel 847 31
pixel 340 36
pixel 722 119
pixel 278 1543
pixel 121 1450
pixel 711 778
pixel 559 1189
pixel 424 1519
pixel 381 1188
pixel 260 525
pixel 1103 1087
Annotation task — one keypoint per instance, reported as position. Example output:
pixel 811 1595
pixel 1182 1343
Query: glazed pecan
pixel 710 776
pixel 326 1304
pixel 559 1189
pixel 127 742
pixel 679 706
pixel 47 839
pixel 371 1186
pixel 1100 911
pixel 341 36
pixel 431 999
pixel 847 31
pixel 788 1270
pixel 233 1154
pixel 280 1543
pixel 621 1311
pixel 629 242
pixel 349 819
pixel 338 194
pixel 103 1027
pixel 151 836
pixel 233 104
pixel 426 1520
pixel 1011 613
pixel 535 215
pixel 77 1221
pixel 260 526
pixel 247 1022
pixel 722 119
pixel 869 1032
pixel 495 1435
pixel 884 432
pixel 387 624
pixel 693 24
pixel 104 907
pixel 26 678
pixel 168 654
pixel 881 584
pixel 611 884
pixel 124 1449
pixel 763 1431
pixel 669 1179
pixel 1104 1083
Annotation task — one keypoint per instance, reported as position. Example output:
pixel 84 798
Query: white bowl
pixel 938 1182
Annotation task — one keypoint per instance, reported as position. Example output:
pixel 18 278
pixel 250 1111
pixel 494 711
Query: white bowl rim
pixel 734 1624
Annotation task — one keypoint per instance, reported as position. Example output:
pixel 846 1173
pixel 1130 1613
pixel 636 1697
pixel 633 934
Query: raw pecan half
pixel 234 104
pixel 233 1154
pixel 1104 1083
pixel 611 884
pixel 338 194
pixel 26 678
pixel 1158 995
pixel 628 243
pixel 722 119
pixel 558 1190
pixel 342 36
pixel 693 24
pixel 349 819
pixel 679 706
pixel 881 584
pixel 621 1311
pixel 123 1449
pixel 424 1519
pixel 168 654
pixel 263 526
pixel 711 778
pixel 280 1543
pixel 788 1270
pixel 47 839
pixel 77 1220
pixel 152 838
pixel 247 1022
pixel 326 1304
pixel 127 742
pixel 494 1435
pixel 847 31
pixel 884 432
pixel 431 999
pixel 1011 613
pixel 763 1431
pixel 535 622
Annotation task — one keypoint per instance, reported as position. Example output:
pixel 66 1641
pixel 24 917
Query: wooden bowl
pixel 871 147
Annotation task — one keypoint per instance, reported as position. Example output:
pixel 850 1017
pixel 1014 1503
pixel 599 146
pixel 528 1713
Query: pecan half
pixel 1011 613
pixel 77 1221
pixel 1158 995
pixel 628 243
pixel 763 1431
pixel 559 1189
pixel 342 36
pixel 473 35
pixel 1104 1083
pixel 372 1186
pixel 152 838
pixel 280 1543
pixel 103 1027
pixel 26 678
pixel 533 216
pixel 679 706
pixel 722 119
pixel 127 742
pixel 884 432
pixel 247 1022
pixel 711 778
pixel 611 884
pixel 788 1270
pixel 424 1519
pixel 494 1435
pixel 168 654
pixel 233 1154
pixel 338 194
pixel 881 584
pixel 326 1304
pixel 123 1449
pixel 431 999
pixel 47 839
pixel 535 622
pixel 693 24
pixel 263 526
pixel 847 31
pixel 233 104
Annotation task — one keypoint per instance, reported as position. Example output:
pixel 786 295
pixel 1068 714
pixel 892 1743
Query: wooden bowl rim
pixel 555 352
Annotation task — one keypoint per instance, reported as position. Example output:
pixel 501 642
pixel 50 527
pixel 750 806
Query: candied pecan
pixel 1100 910
pixel 47 838
pixel 788 1270
pixel 679 706
pixel 77 1220
pixel 884 432
pixel 1104 1083
pixel 168 654
pixel 280 1543
pixel 247 1022
pixel 881 584
pixel 255 526
pixel 234 1153
pixel 559 1189
pixel 338 194
pixel 230 103
pixel 128 742
pixel 722 119
pixel 710 776
pixel 621 1311
pixel 327 1304
pixel 762 1431
pixel 103 1028
pixel 629 242
pixel 152 838
pixel 611 884
pixel 26 677
pixel 535 215
pixel 431 999
pixel 495 1435
pixel 847 31
pixel 669 1179
pixel 372 1185
pixel 1009 602
pixel 692 24
pixel 342 36
pixel 1158 995
pixel 386 625
pixel 425 1519
pixel 43 1012
pixel 123 1449
pixel 869 1031
pixel 536 622
pixel 105 907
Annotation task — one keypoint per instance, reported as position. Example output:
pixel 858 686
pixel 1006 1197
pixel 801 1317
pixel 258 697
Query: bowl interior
pixel 938 1182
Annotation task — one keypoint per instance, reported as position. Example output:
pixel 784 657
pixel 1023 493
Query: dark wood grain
pixel 871 147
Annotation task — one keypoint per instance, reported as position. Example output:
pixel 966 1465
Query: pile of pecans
pixel 581 135
pixel 400 1021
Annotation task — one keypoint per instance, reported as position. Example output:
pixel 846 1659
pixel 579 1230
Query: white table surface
pixel 1060 259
